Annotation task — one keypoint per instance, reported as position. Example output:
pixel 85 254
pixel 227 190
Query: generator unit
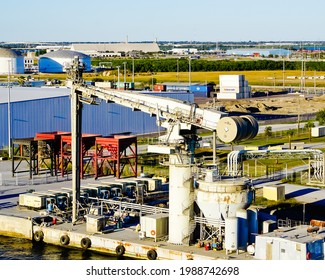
pixel 32 200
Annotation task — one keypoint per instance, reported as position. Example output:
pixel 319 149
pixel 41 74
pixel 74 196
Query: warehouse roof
pixel 18 94
pixel 64 54
pixel 117 47
pixel 8 53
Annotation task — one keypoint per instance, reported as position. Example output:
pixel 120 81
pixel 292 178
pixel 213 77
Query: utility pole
pixel 75 75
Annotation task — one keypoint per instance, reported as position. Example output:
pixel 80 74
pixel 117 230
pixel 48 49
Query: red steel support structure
pixel 117 152
pixel 87 142
pixel 49 149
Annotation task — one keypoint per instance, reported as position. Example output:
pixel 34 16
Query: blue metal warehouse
pixel 48 109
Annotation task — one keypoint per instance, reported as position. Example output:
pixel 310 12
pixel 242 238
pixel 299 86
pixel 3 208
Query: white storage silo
pixel 11 62
pixel 58 61
pixel 181 199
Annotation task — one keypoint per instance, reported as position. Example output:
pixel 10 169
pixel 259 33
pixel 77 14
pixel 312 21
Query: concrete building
pixel 11 61
pixel 233 87
pixel 56 62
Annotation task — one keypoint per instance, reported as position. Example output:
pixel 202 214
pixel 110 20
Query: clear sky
pixel 166 20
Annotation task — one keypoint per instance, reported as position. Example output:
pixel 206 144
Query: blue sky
pixel 167 20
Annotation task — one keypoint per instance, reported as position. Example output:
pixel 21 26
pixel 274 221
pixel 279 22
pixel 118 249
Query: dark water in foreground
pixel 21 249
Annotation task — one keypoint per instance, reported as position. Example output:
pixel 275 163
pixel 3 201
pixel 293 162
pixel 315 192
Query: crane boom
pixel 168 108
pixel 177 116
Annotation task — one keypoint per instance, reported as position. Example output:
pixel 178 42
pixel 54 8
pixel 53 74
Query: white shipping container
pixel 318 131
pixel 103 84
pixel 237 89
pixel 230 95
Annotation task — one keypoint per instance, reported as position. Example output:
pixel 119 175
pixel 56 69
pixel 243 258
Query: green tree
pixel 268 133
pixel 290 133
pixel 309 125
pixel 320 117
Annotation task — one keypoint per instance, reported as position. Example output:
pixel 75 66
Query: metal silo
pixel 59 61
pixel 11 62
pixel 221 199
pixel 181 198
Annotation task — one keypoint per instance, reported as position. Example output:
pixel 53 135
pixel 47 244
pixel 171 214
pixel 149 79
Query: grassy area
pixel 262 78
pixel 272 204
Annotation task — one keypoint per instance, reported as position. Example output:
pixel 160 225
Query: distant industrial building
pixel 115 49
pixel 258 52
pixel 183 51
pixel 58 61
pixel 233 87
pixel 11 61
pixel 47 109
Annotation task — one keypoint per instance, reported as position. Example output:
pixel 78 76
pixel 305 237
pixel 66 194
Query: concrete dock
pixel 38 225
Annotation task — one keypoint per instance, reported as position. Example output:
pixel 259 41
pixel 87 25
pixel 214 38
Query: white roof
pixel 31 93
pixel 117 47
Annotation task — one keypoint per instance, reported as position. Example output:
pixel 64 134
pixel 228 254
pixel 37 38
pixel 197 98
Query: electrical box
pixel 95 223
pixel 155 226
pixel 274 192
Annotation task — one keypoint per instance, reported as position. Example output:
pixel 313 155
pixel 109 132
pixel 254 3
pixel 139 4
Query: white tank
pixel 231 234
pixel 222 198
pixel 58 61
pixel 11 61
pixel 181 198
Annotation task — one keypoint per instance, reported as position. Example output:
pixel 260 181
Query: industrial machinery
pixel 181 120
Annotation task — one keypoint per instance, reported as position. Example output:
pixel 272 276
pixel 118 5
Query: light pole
pixel 132 69
pixel 9 113
pixel 177 70
pixel 189 71
pixel 118 77
pixel 124 63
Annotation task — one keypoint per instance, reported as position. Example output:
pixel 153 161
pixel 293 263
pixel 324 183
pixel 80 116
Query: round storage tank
pixel 58 61
pixel 241 215
pixel 221 199
pixel 11 61
pixel 252 219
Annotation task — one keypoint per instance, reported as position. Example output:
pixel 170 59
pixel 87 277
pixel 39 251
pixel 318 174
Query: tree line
pixel 202 65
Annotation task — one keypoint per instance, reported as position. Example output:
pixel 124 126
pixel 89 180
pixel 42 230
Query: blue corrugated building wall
pixel 53 114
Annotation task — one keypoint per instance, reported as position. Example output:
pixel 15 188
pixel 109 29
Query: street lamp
pixel 118 77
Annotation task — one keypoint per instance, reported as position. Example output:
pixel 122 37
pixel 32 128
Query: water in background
pixel 22 249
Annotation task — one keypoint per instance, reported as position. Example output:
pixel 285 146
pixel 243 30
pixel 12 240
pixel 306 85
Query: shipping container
pixel 318 131
pixel 159 87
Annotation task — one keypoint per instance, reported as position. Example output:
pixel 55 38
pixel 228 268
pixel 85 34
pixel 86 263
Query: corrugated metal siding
pixel 29 117
pixel 53 114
